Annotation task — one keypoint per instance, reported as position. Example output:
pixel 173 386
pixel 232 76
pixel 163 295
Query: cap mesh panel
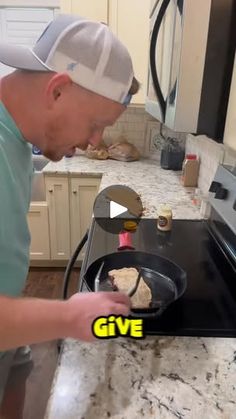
pixel 89 50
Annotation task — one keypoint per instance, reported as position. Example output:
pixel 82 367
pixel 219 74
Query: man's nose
pixel 96 137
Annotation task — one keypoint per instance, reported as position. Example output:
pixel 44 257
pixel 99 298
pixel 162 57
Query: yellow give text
pixel 113 327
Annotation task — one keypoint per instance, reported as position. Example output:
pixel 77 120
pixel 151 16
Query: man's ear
pixel 55 88
pixel 56 93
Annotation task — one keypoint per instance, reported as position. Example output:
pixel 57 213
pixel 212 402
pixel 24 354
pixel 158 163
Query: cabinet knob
pixel 74 191
pixel 50 190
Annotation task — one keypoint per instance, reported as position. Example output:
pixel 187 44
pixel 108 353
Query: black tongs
pixel 133 289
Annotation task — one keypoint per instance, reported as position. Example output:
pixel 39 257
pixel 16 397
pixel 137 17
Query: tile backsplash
pixel 211 154
pixel 132 125
pixel 138 127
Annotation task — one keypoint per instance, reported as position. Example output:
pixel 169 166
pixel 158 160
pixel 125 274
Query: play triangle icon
pixel 116 209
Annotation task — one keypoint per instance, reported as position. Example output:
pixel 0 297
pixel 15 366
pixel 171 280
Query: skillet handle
pixel 147 315
pixel 125 241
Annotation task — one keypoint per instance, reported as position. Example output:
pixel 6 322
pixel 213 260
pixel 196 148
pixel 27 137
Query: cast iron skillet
pixel 166 280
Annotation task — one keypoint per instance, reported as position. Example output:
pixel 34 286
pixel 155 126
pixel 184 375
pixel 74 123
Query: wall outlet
pixel 156 141
pixel 153 138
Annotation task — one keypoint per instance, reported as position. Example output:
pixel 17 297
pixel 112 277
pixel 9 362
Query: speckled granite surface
pixel 155 185
pixel 159 377
pixel 166 377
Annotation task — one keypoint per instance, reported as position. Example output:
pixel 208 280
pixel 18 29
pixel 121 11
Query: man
pixel 77 80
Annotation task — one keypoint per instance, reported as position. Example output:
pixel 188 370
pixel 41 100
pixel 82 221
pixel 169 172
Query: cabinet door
pixel 230 126
pixel 153 4
pixel 129 20
pixel 95 10
pixel 57 196
pixel 65 6
pixel 83 192
pixel 39 230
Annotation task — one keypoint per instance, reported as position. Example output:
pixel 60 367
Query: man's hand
pixel 24 321
pixel 84 308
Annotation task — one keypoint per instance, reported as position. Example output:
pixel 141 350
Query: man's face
pixel 76 118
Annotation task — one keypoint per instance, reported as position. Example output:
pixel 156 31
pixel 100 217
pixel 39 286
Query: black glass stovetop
pixel 208 307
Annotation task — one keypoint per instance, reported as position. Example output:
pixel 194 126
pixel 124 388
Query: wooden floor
pixel 28 386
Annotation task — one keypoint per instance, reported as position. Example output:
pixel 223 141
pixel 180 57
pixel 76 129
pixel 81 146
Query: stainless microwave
pixel 191 56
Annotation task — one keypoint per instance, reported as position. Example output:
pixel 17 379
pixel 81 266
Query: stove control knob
pixel 221 193
pixel 234 206
pixel 215 186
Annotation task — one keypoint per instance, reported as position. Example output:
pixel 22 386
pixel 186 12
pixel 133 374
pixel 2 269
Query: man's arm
pixel 29 320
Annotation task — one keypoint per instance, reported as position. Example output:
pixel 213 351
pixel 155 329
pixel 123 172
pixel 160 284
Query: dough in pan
pixel 124 279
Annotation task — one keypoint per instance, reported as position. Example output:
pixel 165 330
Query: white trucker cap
pixel 87 51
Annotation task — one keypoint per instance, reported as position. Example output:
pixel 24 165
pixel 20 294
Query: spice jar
pixel 164 221
pixel 190 170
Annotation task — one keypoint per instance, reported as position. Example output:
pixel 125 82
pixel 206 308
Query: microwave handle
pixel 153 42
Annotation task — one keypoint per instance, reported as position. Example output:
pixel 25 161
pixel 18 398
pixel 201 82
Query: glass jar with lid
pixel 164 220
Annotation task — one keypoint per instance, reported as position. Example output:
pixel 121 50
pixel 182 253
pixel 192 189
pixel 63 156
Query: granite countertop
pixel 154 184
pixel 158 377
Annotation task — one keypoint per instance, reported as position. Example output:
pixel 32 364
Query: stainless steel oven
pixel 192 46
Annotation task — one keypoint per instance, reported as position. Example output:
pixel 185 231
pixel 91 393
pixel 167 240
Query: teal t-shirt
pixel 16 170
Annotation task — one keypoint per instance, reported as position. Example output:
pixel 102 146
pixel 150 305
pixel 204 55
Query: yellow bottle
pixel 164 221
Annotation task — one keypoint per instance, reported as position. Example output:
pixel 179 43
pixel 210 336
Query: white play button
pixel 114 206
pixel 116 209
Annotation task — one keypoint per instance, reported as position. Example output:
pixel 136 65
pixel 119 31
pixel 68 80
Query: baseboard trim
pixel 52 264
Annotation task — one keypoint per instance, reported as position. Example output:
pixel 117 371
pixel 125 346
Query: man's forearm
pixel 24 321
pixel 30 320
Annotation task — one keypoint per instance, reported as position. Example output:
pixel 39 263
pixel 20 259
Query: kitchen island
pixel 162 378
pixel 158 377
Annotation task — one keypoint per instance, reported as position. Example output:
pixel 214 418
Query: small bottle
pixel 190 170
pixel 164 221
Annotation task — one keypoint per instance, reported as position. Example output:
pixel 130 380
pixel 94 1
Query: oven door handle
pixel 153 44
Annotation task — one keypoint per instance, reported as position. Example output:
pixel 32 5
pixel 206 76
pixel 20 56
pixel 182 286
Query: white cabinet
pixel 230 126
pixel 83 192
pixel 57 196
pixel 58 225
pixel 39 230
pixel 95 10
pixel 129 20
pixel 152 4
